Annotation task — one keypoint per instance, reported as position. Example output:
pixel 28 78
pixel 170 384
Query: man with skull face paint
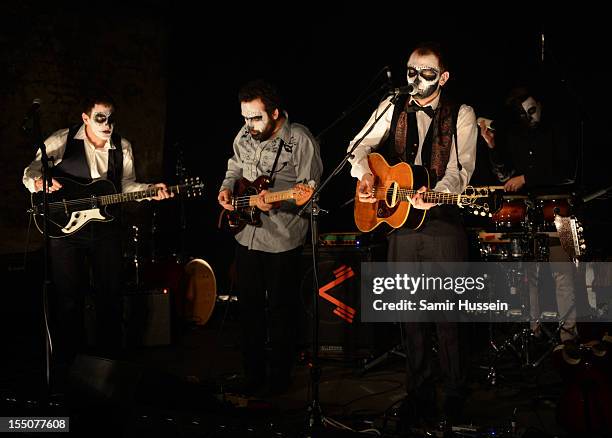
pixel 268 257
pixel 426 129
pixel 88 152
pixel 533 153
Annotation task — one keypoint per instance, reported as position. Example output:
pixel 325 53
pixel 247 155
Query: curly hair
pixel 263 90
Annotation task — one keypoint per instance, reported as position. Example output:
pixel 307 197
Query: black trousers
pixel 268 287
pixel 439 241
pixel 89 261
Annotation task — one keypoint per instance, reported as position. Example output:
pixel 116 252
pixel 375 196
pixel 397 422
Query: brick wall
pixel 55 52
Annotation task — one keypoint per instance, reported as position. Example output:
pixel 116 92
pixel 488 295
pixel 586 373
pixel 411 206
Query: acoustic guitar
pixel 394 185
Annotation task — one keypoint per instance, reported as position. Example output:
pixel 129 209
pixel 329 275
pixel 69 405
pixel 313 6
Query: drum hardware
pixel 521 345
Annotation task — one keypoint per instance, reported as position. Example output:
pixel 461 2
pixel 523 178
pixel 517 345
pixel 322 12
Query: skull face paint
pixel 424 75
pixel 532 111
pixel 101 121
pixel 258 122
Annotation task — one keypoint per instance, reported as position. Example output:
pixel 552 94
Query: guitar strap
pixel 281 144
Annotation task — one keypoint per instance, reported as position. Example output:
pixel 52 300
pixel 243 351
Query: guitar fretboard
pixel 273 197
pixel 430 196
pixel 135 196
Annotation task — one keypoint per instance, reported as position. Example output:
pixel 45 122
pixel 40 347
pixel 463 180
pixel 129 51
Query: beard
pixel 263 135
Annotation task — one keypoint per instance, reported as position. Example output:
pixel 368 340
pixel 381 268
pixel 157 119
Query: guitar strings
pixel 59 205
pixel 410 192
pixel 245 201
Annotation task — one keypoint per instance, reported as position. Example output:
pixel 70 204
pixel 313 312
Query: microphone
pixel 596 194
pixel 389 79
pixel 406 89
pixel 32 111
pixel 33 108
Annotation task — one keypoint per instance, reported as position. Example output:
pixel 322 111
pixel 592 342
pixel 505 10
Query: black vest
pixel 74 163
pixel 389 151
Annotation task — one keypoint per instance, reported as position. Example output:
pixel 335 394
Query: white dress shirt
pixel 97 160
pixel 454 180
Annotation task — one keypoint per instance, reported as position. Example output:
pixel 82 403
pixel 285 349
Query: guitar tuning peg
pixel 583 246
pixel 482 213
pixel 475 212
pixel 490 215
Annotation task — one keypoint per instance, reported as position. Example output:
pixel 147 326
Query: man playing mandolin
pixel 268 148
pixel 425 128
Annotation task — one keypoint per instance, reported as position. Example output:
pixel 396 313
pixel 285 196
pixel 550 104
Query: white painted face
pixel 259 124
pixel 425 75
pixel 101 121
pixel 532 111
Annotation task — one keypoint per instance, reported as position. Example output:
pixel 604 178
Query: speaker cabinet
pixel 147 317
pixel 341 332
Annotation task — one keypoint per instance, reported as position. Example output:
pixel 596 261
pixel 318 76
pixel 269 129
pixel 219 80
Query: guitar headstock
pixel 482 201
pixel 302 193
pixel 192 187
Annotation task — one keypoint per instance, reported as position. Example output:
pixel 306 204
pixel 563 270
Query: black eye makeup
pixel 429 74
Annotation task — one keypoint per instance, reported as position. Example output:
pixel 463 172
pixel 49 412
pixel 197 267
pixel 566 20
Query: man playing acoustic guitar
pixel 425 128
pixel 268 252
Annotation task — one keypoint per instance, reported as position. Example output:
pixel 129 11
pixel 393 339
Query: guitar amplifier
pixel 341 332
pixel 147 317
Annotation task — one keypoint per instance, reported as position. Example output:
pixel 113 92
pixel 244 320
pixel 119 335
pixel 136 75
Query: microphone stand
pixel 315 417
pixel 35 133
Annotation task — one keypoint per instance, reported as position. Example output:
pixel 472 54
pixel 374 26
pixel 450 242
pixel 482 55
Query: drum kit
pixel 190 281
pixel 519 231
pixel 520 228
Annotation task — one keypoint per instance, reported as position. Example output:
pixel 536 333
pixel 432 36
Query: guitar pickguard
pixel 79 218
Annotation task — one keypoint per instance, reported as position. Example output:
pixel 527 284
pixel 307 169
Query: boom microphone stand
pixel 315 417
pixel 31 126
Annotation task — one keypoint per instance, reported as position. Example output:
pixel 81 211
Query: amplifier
pixel 147 317
pixel 341 332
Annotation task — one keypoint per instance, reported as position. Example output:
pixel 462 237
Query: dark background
pixel 175 68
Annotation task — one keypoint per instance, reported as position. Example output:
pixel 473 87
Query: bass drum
pixel 200 292
pixel 192 284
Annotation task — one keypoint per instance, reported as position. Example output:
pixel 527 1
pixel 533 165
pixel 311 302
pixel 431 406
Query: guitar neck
pixel 430 196
pixel 117 198
pixel 271 197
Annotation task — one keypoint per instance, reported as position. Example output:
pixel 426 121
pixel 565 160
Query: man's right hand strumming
pixel 366 185
pixel 225 199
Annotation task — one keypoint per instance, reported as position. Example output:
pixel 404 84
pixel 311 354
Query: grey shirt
pixel 299 162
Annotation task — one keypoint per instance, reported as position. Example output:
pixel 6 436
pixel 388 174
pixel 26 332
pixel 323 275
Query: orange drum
pixel 550 205
pixel 512 214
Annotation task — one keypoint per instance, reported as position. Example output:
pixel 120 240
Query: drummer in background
pixel 532 151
